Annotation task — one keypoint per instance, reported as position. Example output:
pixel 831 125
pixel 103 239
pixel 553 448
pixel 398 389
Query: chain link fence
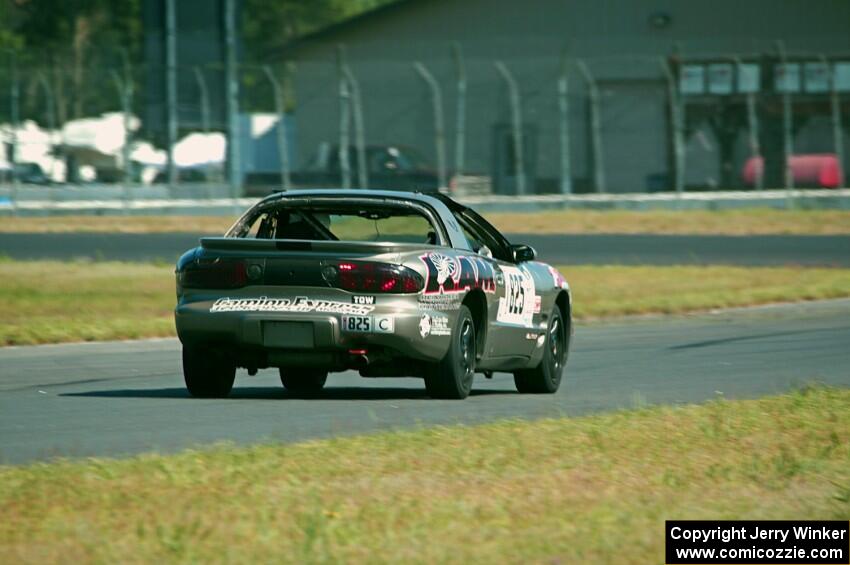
pixel 502 124
pixel 102 132
pixel 615 124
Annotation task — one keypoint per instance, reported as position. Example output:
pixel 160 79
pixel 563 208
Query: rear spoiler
pixel 260 245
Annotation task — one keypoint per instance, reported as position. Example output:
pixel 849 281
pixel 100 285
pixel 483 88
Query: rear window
pixel 327 223
pixel 403 229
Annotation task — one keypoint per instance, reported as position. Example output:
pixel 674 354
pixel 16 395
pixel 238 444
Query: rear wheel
pixel 452 377
pixel 207 373
pixel 303 381
pixel 546 377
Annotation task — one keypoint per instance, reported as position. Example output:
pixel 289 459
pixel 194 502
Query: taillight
pixel 220 273
pixel 363 276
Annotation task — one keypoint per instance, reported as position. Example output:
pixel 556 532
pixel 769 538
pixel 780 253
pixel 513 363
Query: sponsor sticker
pixel 299 304
pixel 441 302
pixel 540 338
pixel 557 278
pixel 448 277
pixel 434 325
pixel 446 274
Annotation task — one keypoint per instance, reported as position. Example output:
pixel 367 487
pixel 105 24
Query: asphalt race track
pixel 557 249
pixel 127 397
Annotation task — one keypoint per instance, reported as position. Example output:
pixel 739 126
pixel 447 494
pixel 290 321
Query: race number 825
pixel 357 323
pixel 516 294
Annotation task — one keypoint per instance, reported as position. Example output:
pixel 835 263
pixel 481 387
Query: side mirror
pixel 523 253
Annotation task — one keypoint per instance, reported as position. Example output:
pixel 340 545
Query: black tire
pixel 207 374
pixel 303 382
pixel 452 377
pixel 545 378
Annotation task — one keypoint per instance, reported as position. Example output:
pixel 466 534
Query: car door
pixel 512 307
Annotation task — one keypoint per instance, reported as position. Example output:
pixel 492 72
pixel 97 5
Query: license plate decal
pixel 357 324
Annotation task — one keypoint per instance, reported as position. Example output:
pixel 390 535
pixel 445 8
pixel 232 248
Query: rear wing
pixel 298 245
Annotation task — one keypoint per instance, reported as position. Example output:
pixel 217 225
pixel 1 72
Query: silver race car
pixel 391 284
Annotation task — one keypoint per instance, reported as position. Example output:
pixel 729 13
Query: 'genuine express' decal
pixel 299 304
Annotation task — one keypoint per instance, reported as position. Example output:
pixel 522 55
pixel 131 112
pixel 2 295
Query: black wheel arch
pixel 477 304
pixel 562 301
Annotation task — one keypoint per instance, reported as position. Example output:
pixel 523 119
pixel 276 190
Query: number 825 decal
pixel 517 305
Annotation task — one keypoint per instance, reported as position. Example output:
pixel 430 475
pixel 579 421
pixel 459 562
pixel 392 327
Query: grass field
pixel 731 222
pixel 584 490
pixel 48 302
pixel 700 222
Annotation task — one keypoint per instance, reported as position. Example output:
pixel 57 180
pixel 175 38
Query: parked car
pixel 27 173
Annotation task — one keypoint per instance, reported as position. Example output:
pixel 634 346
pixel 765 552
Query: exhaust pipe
pixel 360 361
pixel 358 358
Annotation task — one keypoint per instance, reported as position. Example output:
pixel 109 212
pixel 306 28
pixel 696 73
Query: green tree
pixel 75 44
pixel 267 26
pixel 70 43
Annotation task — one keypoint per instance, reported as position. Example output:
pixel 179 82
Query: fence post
pixel 51 126
pixel 124 86
pixel 359 135
pixel 516 118
pixel 50 114
pixel 677 126
pixel 14 111
pixel 787 121
pixel 460 123
pixel 755 146
pixel 234 142
pixel 564 109
pixel 344 110
pixel 204 101
pixel 171 88
pixel 121 87
pixel 752 130
pixel 127 109
pixel 439 135
pixel 595 128
pixel 282 148
pixel 835 111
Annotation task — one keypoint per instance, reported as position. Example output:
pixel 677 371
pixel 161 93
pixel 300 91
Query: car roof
pixel 431 199
pixel 441 204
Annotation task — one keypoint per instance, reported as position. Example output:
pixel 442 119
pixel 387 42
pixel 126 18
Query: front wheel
pixel 452 376
pixel 545 378
pixel 303 381
pixel 207 373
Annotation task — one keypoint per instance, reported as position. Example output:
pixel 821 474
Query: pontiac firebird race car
pixel 391 284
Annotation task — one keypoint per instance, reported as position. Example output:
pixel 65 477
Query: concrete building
pixel 623 44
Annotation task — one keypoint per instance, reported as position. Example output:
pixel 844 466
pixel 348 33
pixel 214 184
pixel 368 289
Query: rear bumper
pixel 307 339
